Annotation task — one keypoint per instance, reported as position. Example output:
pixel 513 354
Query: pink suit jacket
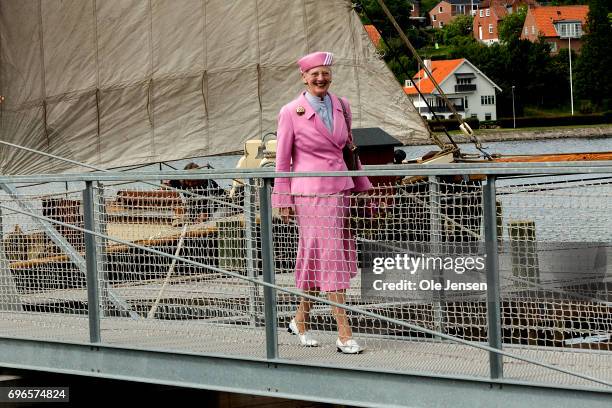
pixel 304 144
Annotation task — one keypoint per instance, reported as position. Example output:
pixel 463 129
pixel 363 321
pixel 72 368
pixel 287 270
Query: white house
pixel 469 90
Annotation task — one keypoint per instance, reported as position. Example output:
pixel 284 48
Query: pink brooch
pixel 300 110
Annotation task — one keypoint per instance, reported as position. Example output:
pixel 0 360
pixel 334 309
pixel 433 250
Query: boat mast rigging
pixel 463 126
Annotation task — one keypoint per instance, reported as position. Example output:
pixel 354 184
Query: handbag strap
pixel 346 118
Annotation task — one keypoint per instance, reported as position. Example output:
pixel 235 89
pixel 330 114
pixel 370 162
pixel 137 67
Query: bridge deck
pixel 417 356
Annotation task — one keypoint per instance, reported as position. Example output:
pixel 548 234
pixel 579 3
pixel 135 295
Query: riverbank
pixel 507 135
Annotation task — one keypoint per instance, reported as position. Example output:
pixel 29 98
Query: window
pixel 487 116
pixel 433 17
pixel 487 99
pixel 532 29
pixel 490 28
pixel 481 15
pixel 553 46
pixel 488 12
pixel 526 30
pixel 464 81
pixel 465 102
pixel 569 30
pixel 412 7
pixel 440 9
pixel 441 24
pixel 474 115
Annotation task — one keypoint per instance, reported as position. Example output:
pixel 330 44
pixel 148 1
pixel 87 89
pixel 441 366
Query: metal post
pixel 265 212
pixel 91 258
pixel 513 111
pixel 250 223
pixel 569 50
pixel 492 264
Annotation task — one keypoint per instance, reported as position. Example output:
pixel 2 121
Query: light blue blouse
pixel 323 108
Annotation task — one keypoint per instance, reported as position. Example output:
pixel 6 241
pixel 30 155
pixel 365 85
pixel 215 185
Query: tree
pixel 559 75
pixel 396 54
pixel 372 13
pixel 510 28
pixel 461 26
pixel 593 66
pixel 427 5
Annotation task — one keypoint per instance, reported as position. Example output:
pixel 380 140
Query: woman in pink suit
pixel 312 132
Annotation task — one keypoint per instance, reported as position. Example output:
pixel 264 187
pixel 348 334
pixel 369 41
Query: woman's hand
pixel 286 214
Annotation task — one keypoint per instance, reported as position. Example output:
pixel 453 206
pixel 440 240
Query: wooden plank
pixel 148 235
pixel 561 157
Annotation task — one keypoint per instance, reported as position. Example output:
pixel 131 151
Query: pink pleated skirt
pixel 326 257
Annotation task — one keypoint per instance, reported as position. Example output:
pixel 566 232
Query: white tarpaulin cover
pixel 121 82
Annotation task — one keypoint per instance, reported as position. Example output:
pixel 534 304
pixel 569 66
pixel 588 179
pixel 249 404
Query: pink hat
pixel 316 59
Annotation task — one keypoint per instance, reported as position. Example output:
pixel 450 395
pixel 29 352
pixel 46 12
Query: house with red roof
pixel 447 10
pixel 374 34
pixel 470 91
pixel 560 26
pixel 491 13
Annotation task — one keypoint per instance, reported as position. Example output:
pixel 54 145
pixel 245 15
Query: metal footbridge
pixel 96 281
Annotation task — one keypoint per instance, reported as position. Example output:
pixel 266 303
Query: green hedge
pixel 551 121
pixel 451 124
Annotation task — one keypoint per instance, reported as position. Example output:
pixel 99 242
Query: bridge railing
pixel 517 287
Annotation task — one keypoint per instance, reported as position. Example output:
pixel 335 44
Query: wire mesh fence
pixel 191 293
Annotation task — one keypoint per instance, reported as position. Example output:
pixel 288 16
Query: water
pixel 551 146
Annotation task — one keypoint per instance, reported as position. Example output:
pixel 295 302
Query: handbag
pixel 350 151
pixel 365 214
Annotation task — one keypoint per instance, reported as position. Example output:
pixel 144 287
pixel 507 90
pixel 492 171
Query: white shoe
pixel 305 338
pixel 350 347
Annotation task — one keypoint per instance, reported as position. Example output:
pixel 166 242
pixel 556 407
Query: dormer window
pixel 569 29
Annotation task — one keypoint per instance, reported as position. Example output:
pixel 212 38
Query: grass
pixel 430 52
pixel 539 111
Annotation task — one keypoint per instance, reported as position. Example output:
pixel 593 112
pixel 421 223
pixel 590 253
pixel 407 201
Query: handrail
pixel 488 168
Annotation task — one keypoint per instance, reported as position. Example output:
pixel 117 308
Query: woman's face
pixel 318 80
